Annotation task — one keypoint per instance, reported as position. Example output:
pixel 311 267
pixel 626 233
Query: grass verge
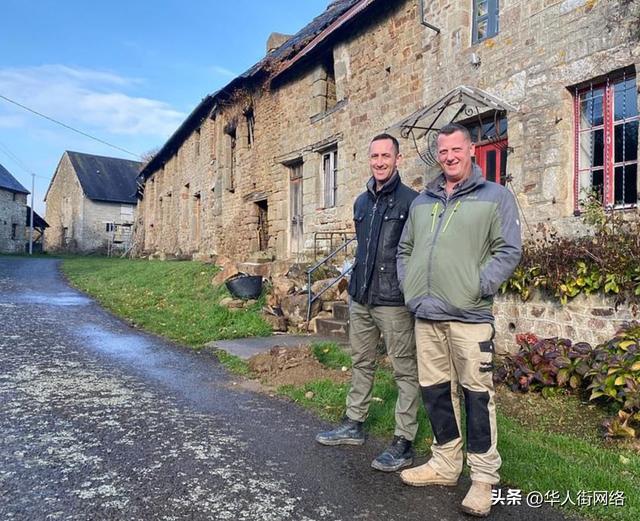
pixel 534 459
pixel 172 299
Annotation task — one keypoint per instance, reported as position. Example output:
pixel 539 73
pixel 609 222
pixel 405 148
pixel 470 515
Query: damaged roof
pixel 276 61
pixel 8 182
pixel 107 179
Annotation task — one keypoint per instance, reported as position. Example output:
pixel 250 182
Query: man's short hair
pixel 380 137
pixel 451 128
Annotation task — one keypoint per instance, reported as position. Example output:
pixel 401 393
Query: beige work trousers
pixel 397 326
pixel 452 354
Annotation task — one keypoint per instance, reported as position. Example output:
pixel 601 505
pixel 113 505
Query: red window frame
pixel 499 149
pixel 608 128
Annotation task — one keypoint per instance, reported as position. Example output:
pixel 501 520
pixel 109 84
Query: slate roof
pixel 8 182
pixel 270 63
pixel 107 179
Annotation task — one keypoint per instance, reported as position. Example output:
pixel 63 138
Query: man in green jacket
pixel 461 242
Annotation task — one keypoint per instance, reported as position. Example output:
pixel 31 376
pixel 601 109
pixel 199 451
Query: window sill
pixel 339 105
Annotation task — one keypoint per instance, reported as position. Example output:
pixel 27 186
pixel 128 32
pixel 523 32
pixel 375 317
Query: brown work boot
pixel 424 475
pixel 477 502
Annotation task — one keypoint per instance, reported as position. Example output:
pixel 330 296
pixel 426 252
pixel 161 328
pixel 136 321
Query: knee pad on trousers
pixel 476 404
pixel 437 401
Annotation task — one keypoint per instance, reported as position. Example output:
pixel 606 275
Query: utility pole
pixel 33 184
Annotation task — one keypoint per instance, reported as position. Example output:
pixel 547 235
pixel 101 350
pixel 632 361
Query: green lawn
pixel 172 299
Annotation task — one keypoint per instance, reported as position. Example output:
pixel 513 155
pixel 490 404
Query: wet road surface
pixel 99 421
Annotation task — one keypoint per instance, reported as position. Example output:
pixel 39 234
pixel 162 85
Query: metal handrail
pixel 312 298
pixel 323 236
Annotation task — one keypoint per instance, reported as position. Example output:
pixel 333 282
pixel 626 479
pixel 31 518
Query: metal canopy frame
pixel 466 101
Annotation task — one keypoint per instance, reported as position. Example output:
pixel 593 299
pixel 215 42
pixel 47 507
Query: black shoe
pixel 349 433
pixel 398 455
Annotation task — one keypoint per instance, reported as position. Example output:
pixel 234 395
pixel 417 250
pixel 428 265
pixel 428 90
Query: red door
pixel 492 159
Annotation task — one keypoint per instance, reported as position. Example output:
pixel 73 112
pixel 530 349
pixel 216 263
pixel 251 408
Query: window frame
pixel 329 178
pixel 608 127
pixel 492 17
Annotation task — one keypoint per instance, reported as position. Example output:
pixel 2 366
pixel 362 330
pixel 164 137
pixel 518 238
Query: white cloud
pixel 90 99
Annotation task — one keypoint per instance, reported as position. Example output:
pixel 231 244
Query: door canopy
pixel 458 105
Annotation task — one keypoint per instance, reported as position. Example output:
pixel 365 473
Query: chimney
pixel 276 40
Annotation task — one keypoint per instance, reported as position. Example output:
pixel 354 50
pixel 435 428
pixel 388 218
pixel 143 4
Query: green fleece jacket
pixel 456 251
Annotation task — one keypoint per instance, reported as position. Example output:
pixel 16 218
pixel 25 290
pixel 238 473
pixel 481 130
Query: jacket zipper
pixel 366 257
pixel 455 209
pixel 437 233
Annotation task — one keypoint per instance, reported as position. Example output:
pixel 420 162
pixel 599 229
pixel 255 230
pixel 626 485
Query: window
pixel 230 156
pixel 485 19
pixel 14 231
pixel 329 176
pixel 109 227
pixel 197 137
pixel 250 119
pixel 606 140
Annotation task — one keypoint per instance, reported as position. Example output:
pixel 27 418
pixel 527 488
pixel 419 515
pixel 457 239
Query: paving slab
pixel 245 348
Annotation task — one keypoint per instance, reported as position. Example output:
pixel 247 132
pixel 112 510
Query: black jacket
pixel 379 218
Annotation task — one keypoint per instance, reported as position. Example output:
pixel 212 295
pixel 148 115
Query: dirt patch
pixel 292 366
pixel 563 414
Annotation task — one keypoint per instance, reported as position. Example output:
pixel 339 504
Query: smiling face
pixel 454 155
pixel 383 160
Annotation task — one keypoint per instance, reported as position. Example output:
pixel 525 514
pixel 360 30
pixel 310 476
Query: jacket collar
pixel 475 180
pixel 387 188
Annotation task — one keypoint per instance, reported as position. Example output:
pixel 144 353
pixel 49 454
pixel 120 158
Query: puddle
pixel 52 299
pixel 121 345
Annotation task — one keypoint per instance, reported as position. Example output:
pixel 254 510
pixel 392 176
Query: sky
pixel 127 72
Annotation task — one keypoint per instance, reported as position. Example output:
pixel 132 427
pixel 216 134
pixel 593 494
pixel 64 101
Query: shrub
pixel 608 373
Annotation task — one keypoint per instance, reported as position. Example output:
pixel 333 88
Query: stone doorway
pixel 263 224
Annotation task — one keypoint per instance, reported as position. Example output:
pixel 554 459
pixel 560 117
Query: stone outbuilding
pixel 273 161
pixel 91 203
pixel 13 211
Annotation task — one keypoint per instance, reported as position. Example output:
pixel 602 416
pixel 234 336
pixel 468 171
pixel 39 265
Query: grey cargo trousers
pixel 396 324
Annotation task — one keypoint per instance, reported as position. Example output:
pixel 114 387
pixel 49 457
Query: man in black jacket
pixel 377 306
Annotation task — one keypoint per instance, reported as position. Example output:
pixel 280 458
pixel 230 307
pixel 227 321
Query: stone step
pixel 255 268
pixel 329 327
pixel 340 311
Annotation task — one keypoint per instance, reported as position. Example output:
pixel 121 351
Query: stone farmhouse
pixel 13 213
pixel 273 161
pixel 91 202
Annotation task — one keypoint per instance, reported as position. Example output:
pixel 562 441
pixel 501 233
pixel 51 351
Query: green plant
pixel 610 372
pixel 615 372
pixel 544 363
pixel 331 355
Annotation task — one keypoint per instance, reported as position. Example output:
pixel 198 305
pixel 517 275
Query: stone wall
pixel 96 215
pixel 592 319
pixel 64 209
pixel 13 211
pixel 208 199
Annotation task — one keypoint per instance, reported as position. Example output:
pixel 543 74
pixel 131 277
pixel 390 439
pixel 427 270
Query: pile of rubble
pixel 287 294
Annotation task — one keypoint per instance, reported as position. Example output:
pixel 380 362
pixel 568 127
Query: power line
pixel 69 127
pixel 18 161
